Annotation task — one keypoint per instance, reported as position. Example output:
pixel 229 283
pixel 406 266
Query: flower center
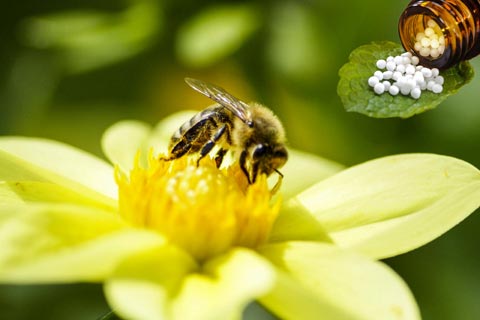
pixel 202 209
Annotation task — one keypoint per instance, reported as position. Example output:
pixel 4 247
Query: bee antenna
pixel 279 173
pixel 277 185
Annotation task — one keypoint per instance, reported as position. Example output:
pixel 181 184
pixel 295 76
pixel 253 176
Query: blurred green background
pixel 69 69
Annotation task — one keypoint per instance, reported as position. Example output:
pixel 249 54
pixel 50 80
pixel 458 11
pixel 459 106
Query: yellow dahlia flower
pixel 171 240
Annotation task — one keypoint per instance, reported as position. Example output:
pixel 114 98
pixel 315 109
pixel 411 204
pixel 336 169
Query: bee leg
pixel 221 153
pixel 254 171
pixel 207 147
pixel 243 161
pixel 179 150
pixel 219 157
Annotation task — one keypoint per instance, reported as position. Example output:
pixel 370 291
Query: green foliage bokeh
pixel 71 69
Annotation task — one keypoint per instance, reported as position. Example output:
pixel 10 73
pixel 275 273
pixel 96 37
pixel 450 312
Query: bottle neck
pixel 459 21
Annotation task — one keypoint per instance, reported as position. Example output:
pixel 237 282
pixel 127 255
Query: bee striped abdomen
pixel 195 121
pixel 207 126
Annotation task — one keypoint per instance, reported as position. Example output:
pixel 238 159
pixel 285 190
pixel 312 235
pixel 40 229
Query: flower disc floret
pixel 202 209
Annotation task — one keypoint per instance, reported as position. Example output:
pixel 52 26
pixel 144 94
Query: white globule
pixel 372 81
pixel 409 69
pixel 387 75
pixel 391 65
pixel 405 90
pixel 398 60
pixel 416 93
pixel 402 74
pixel 400 68
pixel 393 90
pixel 387 85
pixel 437 88
pixel 379 88
pixel 378 74
pixel 381 64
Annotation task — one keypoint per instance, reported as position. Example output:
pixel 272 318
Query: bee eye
pixel 281 153
pixel 260 150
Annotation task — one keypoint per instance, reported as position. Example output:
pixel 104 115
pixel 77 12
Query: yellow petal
pixel 228 284
pixel 64 243
pixel 16 173
pixel 24 193
pixel 167 284
pixel 296 223
pixel 58 163
pixel 122 141
pixel 321 281
pixel 396 236
pixel 395 204
pixel 143 284
pixel 302 170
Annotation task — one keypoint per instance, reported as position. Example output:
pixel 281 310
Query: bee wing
pixel 218 94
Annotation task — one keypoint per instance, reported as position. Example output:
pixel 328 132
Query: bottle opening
pixel 424 36
pixel 441 33
pixel 430 42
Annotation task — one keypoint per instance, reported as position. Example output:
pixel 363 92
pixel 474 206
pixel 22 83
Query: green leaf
pixel 216 33
pixel 395 204
pixel 297 44
pixel 87 40
pixel 358 96
pixel 316 279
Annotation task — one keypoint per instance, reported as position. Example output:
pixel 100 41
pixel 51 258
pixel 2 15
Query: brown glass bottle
pixel 457 22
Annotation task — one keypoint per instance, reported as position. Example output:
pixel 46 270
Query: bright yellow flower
pixel 171 240
pixel 181 201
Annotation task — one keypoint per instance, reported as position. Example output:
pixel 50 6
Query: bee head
pixel 269 158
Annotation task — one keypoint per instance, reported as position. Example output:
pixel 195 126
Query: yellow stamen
pixel 202 209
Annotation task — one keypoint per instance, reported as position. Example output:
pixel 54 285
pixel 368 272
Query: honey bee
pixel 251 132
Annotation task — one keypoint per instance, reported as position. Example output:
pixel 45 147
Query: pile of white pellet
pixel 430 42
pixel 402 74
